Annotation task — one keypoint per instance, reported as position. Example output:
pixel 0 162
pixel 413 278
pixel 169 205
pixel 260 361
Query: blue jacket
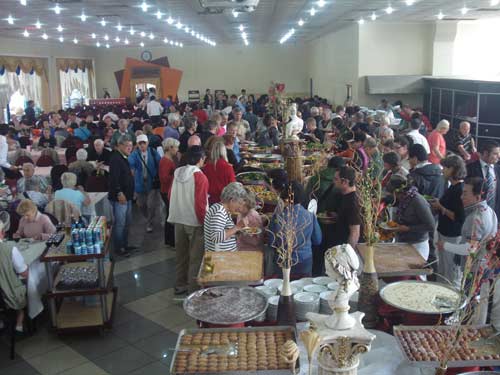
pixel 137 166
pixel 82 133
pixel 308 231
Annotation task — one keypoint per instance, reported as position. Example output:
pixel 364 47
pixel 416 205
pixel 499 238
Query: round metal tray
pixel 409 283
pixel 225 305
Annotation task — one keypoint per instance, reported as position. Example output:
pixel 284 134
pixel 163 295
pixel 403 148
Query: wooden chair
pixel 96 184
pixel 45 161
pixel 10 325
pixel 23 159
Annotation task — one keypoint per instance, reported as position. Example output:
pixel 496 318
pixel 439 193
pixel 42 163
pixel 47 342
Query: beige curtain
pixel 76 74
pixel 33 86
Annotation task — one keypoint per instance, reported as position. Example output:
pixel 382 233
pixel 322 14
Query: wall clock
pixel 146 56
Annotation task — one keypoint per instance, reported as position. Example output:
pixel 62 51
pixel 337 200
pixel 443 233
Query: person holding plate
pixel 414 216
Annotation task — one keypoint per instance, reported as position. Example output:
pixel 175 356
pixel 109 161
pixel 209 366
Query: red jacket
pixel 219 176
pixel 166 174
pixel 201 116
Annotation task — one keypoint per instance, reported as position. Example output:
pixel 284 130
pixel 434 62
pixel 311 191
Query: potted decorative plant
pixel 369 193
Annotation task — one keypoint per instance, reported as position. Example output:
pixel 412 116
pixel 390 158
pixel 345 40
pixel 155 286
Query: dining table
pixel 36 153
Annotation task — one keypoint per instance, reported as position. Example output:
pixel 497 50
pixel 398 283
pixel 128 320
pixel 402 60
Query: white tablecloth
pixel 37 277
pixel 99 206
pixel 35 155
pixel 384 358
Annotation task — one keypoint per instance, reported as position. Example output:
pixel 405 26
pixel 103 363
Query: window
pixel 19 88
pixel 75 87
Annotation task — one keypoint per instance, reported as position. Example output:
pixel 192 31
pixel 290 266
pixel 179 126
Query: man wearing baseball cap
pixel 144 163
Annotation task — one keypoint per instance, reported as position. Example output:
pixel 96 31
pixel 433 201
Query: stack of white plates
pixel 333 285
pixel 299 284
pixel 266 290
pixel 307 280
pixel 315 288
pixel 323 280
pixel 324 305
pixel 272 308
pixel 274 283
pixel 304 303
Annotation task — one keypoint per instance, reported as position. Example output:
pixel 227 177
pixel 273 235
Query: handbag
pixel 156 179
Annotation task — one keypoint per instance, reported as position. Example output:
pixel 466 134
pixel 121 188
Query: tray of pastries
pixel 232 351
pixel 424 346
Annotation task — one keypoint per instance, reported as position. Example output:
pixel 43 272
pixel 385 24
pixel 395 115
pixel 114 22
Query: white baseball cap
pixel 142 138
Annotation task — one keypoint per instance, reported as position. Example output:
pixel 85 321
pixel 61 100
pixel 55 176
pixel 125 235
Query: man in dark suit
pixel 488 169
pixel 29 112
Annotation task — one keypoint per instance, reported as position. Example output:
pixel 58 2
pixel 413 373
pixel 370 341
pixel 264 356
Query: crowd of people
pixel 188 155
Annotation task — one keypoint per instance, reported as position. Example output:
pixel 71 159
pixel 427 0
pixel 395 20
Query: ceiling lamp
pixel 494 3
pixel 170 20
pixel 464 10
pixel 98 44
pixel 144 6
pixel 45 36
pixel 143 34
pixel 107 45
pixel 23 2
pixel 241 28
pixel 321 3
pixel 440 16
pixel 361 21
pixel 159 14
pixel 38 25
pixel 93 36
pixel 75 41
pixel 171 42
pixel 165 40
pixel 10 19
pixel 181 45
pixel 131 31
pixel 106 37
pixel 142 44
pixel 410 2
pixel 57 9
pixel 26 34
pixel 312 12
pixel 117 39
pixel 389 10
pixel 126 41
pixel 83 17
pixel 301 22
pixel 103 22
pixel 186 29
pixel 60 28
pixel 151 36
pixel 287 36
pixel 178 24
pixel 235 14
pixel 373 16
pixel 119 26
pixel 61 39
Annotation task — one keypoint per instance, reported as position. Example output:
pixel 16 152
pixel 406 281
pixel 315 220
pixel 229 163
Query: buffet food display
pixel 232 351
pixel 421 297
pixel 424 345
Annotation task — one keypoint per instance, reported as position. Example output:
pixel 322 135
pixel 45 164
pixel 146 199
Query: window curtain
pixel 28 76
pixel 75 76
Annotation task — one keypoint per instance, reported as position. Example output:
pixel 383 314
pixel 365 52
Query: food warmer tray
pixel 451 363
pixel 246 329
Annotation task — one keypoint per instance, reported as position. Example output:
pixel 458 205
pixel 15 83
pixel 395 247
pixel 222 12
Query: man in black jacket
pixel 121 194
pixel 427 177
pixel 488 169
pixel 99 153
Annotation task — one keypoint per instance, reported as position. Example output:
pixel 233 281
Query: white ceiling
pixel 267 24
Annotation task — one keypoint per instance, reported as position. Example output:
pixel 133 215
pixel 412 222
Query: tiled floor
pixel 147 320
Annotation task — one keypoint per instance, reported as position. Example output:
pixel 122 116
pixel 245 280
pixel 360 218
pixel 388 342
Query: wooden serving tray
pixel 397 259
pixel 233 268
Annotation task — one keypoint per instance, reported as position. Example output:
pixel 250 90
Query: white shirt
pixel 419 139
pixel 154 108
pixel 4 150
pixel 18 261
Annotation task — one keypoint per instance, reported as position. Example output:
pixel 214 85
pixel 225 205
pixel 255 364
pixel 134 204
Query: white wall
pixel 475 51
pixel 223 67
pixel 333 63
pixel 394 49
pixel 51 51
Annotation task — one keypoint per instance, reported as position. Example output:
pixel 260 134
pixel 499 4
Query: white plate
pixel 314 288
pixel 307 280
pixel 323 280
pixel 274 283
pixel 298 284
pixel 273 300
pixel 267 291
pixel 307 298
pixel 333 285
pixel 327 296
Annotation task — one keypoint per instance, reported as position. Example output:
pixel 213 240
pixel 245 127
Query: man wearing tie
pixel 488 169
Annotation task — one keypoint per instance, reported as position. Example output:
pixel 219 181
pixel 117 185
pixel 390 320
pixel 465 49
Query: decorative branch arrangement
pixel 480 266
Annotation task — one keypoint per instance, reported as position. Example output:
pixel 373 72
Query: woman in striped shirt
pixel 219 228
